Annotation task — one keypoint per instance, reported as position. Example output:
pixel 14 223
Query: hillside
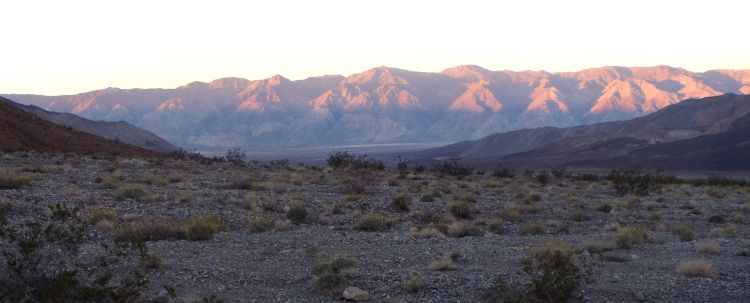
pixel 706 133
pixel 23 131
pixel 117 131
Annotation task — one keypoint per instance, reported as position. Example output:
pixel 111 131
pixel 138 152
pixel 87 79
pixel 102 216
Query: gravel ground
pixel 238 265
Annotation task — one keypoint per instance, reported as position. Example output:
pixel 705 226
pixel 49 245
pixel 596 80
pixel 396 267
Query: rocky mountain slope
pixel 708 133
pixel 118 131
pixel 23 131
pixel 386 105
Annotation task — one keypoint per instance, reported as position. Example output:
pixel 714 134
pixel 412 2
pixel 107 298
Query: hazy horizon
pixel 71 47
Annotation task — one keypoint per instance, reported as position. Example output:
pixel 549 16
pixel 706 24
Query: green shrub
pixel 554 271
pixel 330 272
pixel 684 232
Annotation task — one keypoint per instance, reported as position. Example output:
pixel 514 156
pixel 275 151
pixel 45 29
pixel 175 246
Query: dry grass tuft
pixel 698 268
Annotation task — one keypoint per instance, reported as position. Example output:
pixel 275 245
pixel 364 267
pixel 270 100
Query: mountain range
pixel 711 133
pixel 390 105
pixel 23 131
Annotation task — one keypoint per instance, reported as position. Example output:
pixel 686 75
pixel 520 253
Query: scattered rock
pixel 639 296
pixel 355 294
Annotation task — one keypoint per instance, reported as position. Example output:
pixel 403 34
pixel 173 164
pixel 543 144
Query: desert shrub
pixel 542 177
pixel 635 181
pixel 236 156
pixel 44 264
pixel 442 265
pixel 503 173
pixel 708 247
pixel 463 229
pixel 554 271
pixel 205 221
pixel 259 222
pixel 497 226
pixel 627 237
pixel 401 203
pixel 512 215
pixel 698 268
pixel 603 207
pixel 374 222
pixel 108 182
pixel 611 256
pixel 684 232
pixel 296 214
pixel 535 227
pixel 196 228
pixel 10 181
pixel 589 177
pixel 598 246
pixel 354 185
pixel 716 180
pixel 101 213
pixel 716 219
pixel 248 184
pixel 461 209
pixel 427 197
pixel 6 206
pixel 136 192
pixel 344 159
pixel 727 231
pixel 402 165
pixel 427 232
pixel 330 272
pixel 579 215
pixel 413 283
pixel 559 172
pixel 453 167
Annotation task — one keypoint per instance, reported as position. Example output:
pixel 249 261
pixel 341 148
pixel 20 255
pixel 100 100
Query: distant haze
pixel 66 47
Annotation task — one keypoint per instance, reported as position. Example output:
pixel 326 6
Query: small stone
pixel 586 253
pixel 639 296
pixel 356 294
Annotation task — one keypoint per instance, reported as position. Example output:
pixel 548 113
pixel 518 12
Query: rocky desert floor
pixel 287 232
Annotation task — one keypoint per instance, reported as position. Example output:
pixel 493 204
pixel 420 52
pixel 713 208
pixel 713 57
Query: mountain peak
pixel 277 80
pixel 229 83
pixel 467 72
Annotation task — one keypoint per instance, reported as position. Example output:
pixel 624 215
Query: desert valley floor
pixel 287 232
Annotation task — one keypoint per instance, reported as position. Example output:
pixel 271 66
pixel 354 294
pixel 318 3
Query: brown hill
pixel 707 133
pixel 23 131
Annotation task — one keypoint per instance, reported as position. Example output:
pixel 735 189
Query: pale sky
pixel 64 47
